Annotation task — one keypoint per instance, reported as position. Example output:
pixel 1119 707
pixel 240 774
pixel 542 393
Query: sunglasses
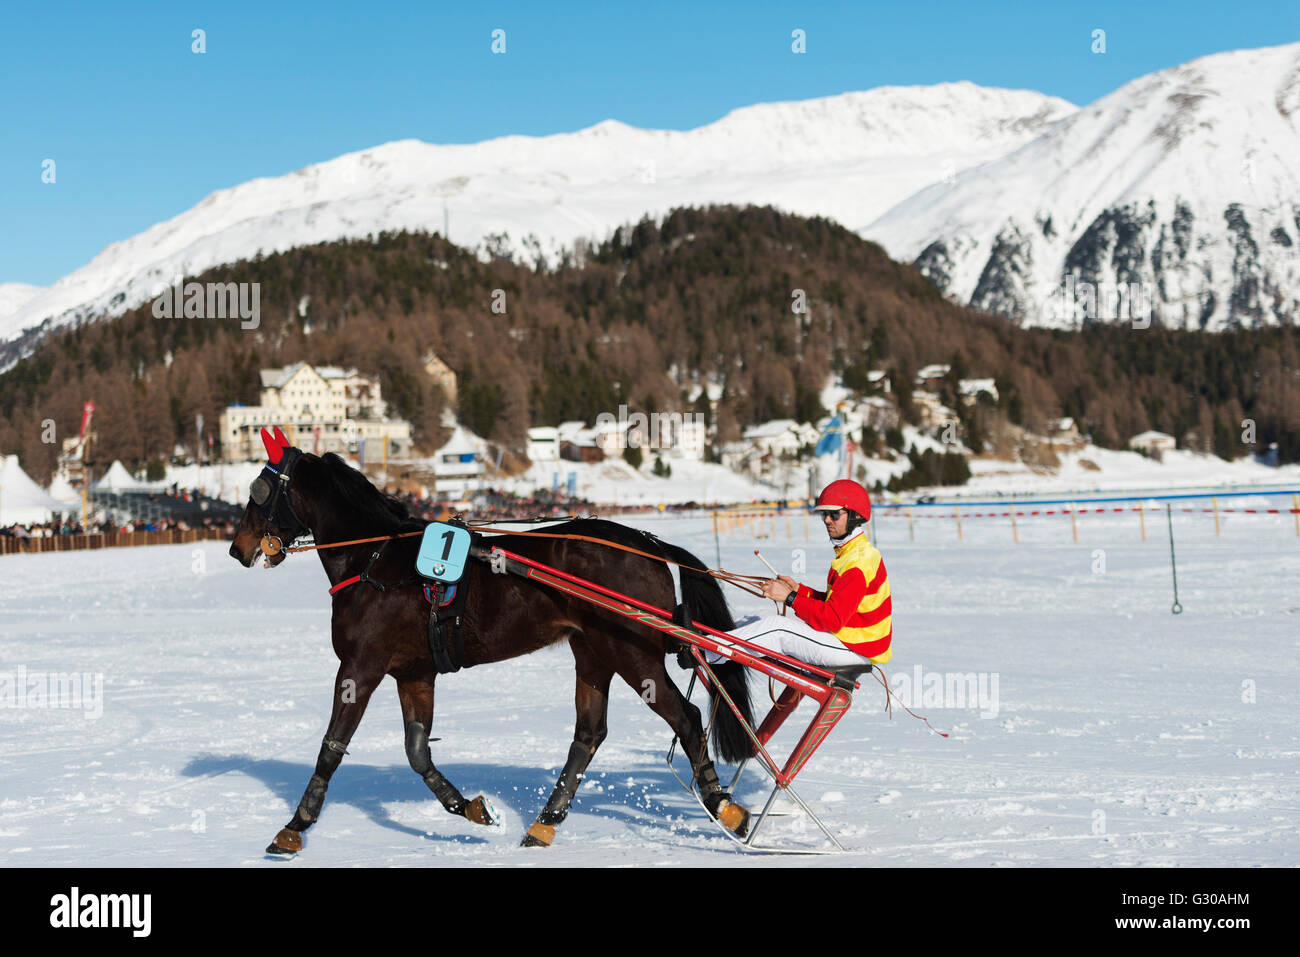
pixel 836 515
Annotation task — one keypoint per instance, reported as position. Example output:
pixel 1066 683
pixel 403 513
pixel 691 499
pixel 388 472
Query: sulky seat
pixel 851 672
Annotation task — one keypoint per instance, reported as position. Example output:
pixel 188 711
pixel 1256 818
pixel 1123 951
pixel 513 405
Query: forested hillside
pixel 764 303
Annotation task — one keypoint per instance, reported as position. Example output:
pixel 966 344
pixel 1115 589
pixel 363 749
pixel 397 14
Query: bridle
pixel 270 493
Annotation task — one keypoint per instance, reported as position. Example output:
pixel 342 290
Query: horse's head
pixel 270 521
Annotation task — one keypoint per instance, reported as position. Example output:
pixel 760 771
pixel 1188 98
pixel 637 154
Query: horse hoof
pixel 734 818
pixel 539 835
pixel 286 842
pixel 481 811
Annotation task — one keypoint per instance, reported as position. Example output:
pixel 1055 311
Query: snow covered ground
pixel 1107 732
pixel 1119 471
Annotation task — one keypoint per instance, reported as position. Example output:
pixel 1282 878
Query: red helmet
pixel 844 493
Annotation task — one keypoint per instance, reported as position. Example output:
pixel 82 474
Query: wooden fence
pixel 69 543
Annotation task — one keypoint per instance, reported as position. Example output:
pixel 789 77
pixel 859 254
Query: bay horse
pixel 378 628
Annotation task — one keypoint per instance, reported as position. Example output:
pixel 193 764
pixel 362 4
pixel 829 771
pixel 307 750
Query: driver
pixel 849 623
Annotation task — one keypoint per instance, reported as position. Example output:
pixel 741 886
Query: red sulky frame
pixel 833 693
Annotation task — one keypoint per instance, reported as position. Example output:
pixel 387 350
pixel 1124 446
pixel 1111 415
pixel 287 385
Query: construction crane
pixel 76 461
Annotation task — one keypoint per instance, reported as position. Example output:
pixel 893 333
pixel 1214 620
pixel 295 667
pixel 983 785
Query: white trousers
pixel 791 635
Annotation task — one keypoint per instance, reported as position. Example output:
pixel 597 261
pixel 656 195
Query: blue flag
pixel 832 440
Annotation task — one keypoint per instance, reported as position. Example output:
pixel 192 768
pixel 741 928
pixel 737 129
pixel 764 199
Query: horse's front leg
pixel 416 697
pixel 591 702
pixel 352 690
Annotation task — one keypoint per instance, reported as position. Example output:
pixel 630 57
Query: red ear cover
pixel 274 446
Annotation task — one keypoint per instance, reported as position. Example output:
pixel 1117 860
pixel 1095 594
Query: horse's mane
pixel 371 508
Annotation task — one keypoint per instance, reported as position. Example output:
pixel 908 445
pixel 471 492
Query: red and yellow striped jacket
pixel 856 606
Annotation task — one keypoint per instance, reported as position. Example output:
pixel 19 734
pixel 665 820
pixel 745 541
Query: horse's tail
pixel 708 606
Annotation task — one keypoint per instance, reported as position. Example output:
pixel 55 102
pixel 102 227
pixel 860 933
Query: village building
pixel 458 465
pixel 581 449
pixel 543 443
pixel 321 409
pixel 879 380
pixel 878 412
pixel 744 458
pixel 971 389
pixel 1064 430
pixel 931 412
pixel 781 437
pixel 1153 443
pixel 578 443
pixel 930 376
pixel 676 434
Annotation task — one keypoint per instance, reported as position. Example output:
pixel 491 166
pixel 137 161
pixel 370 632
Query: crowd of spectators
pixel 486 505
pixel 499 505
pixel 108 526
pixel 492 504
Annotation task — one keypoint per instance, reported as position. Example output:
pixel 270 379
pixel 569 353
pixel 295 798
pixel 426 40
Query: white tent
pixel 22 501
pixel 63 491
pixel 461 457
pixel 117 479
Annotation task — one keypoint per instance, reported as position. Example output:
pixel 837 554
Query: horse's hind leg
pixel 684 718
pixel 352 690
pixel 591 702
pixel 416 697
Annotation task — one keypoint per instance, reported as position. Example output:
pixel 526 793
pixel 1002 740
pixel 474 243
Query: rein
pixel 749 583
pixel 277 547
pixel 745 582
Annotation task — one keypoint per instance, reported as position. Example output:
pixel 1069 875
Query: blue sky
pixel 141 128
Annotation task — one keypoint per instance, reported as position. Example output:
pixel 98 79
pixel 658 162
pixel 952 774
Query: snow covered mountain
pixel 1177 196
pixel 849 157
pixel 15 295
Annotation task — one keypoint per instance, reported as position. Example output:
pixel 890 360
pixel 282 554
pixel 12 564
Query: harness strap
pixel 433 594
pixel 446 605
pixel 345 583
pixel 365 576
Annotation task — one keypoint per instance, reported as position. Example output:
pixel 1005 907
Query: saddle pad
pixel 444 550
pixel 432 598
